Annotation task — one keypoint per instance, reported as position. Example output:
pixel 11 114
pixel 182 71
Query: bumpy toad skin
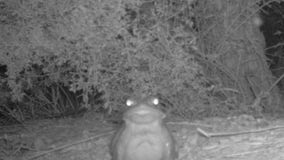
pixel 144 135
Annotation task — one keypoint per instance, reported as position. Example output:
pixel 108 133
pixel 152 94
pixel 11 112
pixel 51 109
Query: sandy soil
pixel 87 138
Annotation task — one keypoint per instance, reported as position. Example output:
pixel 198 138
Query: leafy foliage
pixel 118 48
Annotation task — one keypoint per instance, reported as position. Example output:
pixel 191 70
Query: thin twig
pixel 68 145
pixel 222 134
pixel 250 152
pixel 189 123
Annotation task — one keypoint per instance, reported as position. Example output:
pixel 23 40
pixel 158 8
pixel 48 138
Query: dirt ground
pixel 87 138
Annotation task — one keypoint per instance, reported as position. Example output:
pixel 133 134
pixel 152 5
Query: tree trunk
pixel 231 40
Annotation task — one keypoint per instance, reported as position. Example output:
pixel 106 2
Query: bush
pixel 118 48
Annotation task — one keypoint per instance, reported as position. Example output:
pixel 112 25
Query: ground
pixel 87 138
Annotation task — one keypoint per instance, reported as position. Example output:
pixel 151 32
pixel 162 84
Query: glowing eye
pixel 129 102
pixel 155 101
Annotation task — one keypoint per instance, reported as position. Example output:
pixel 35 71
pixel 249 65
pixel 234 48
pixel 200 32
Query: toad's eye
pixel 155 101
pixel 129 102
